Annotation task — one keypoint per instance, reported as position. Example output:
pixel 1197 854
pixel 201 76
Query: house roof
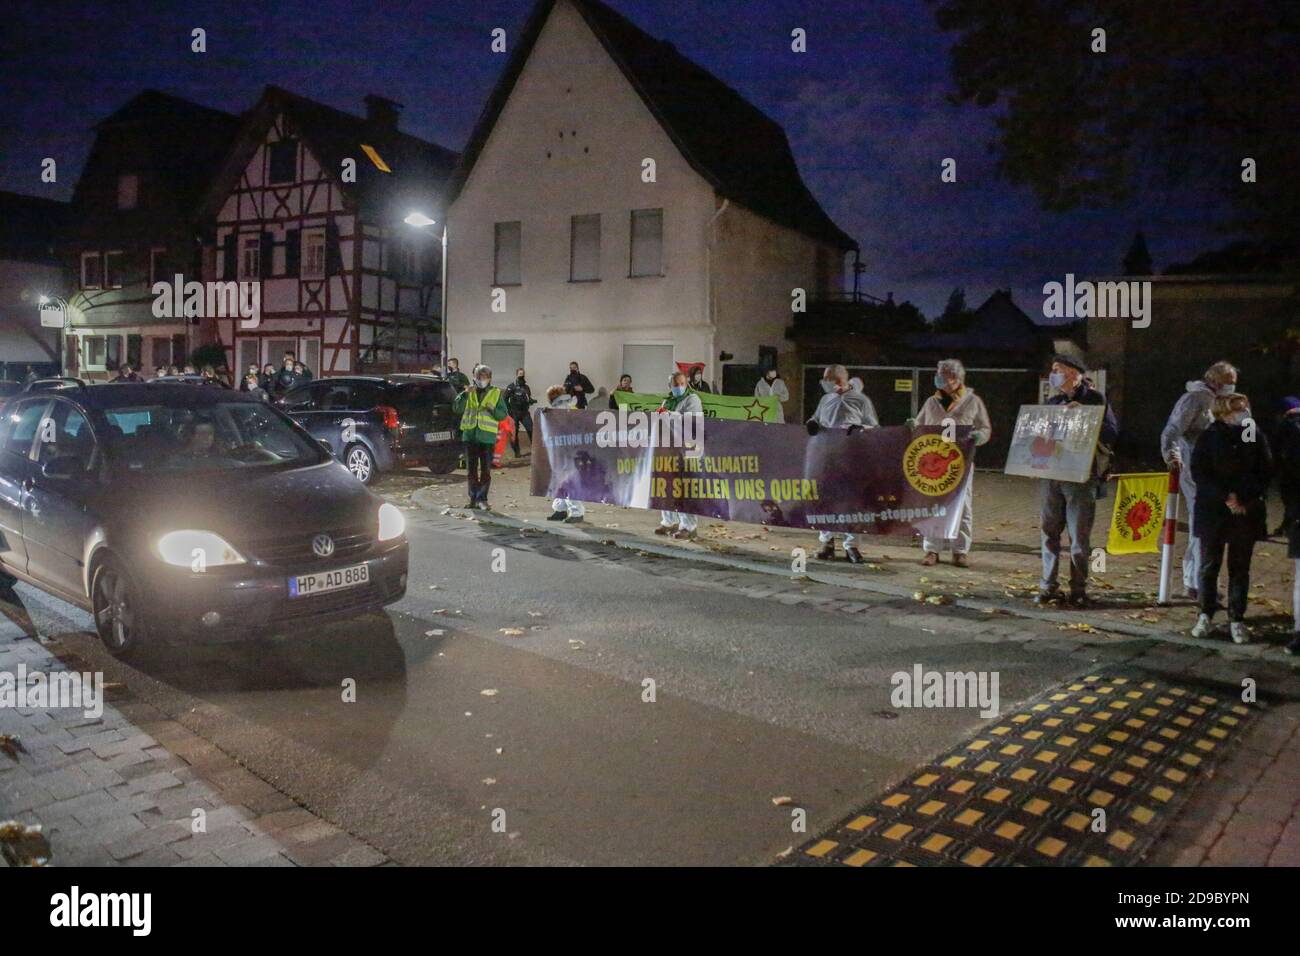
pixel 998 325
pixel 419 169
pixel 739 150
pixel 30 227
pixel 182 142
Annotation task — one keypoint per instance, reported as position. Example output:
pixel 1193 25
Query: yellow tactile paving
pixel 1086 775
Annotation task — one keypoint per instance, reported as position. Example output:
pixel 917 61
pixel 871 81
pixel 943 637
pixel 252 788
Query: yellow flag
pixel 1139 513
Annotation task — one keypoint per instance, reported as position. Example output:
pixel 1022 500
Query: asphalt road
pixel 554 733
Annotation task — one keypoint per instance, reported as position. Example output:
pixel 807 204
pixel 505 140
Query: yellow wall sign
pixel 902 384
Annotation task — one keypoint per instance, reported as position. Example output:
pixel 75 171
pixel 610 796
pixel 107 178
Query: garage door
pixel 649 366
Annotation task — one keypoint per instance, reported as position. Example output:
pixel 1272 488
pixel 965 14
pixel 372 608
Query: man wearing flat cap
pixel 1072 504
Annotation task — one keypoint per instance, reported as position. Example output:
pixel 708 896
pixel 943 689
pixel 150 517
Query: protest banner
pixel 1139 513
pixel 876 481
pixel 743 408
pixel 1055 441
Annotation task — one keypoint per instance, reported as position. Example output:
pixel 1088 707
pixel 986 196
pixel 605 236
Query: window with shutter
pixel 507 253
pixel 293 242
pixel 229 255
pixel 250 257
pixel 333 255
pixel 313 262
pixel 584 248
pixel 647 254
pixel 266 268
pixel 91 266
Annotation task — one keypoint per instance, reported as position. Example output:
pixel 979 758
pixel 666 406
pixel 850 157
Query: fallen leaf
pixel 512 631
pixel 782 801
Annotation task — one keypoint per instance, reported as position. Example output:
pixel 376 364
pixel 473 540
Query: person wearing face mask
pixel 578 386
pixel 841 406
pixel 1190 417
pixel 624 385
pixel 697 382
pixel 458 379
pixel 1072 504
pixel 519 399
pixel 1232 465
pixel 680 401
pixel 771 384
pixel 954 400
pixel 482 408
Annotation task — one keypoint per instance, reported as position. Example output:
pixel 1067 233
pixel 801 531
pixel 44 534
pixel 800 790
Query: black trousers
pixel 478 467
pixel 1238 538
pixel 524 421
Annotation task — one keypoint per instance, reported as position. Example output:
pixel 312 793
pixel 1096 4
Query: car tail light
pixel 389 414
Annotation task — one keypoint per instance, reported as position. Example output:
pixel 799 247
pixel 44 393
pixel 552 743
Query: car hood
pixel 254 504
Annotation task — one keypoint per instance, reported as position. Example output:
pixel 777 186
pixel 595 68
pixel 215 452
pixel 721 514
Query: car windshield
pixel 224 436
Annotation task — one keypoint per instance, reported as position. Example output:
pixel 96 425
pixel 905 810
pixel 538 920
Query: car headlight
pixel 391 522
pixel 197 550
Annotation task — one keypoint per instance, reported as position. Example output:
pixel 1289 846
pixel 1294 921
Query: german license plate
pixel 305 585
pixel 437 436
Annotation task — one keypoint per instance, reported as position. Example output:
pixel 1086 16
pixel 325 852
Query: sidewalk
pixel 126 787
pixel 1004 563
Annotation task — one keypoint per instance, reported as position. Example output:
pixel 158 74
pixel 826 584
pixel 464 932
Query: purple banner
pixel 877 481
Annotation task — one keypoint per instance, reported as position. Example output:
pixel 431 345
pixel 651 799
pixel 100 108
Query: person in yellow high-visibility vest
pixel 481 408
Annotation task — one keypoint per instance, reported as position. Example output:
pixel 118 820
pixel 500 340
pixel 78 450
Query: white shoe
pixel 1203 626
pixel 1240 632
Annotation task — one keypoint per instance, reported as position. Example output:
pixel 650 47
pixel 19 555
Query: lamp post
pixel 61 324
pixel 419 220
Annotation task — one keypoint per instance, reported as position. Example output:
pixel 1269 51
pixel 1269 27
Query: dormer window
pixel 128 190
pixel 284 161
pixel 375 158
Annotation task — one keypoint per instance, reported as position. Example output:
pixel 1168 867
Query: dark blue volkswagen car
pixel 172 511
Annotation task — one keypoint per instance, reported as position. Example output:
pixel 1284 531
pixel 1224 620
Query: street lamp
pixel 55 314
pixel 419 220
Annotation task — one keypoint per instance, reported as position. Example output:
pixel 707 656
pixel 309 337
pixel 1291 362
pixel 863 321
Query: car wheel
pixel 118 610
pixel 443 467
pixel 360 462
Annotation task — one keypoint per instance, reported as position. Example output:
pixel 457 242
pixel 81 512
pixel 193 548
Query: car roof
pixel 393 378
pixel 127 394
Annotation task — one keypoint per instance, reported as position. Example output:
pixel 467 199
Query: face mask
pixel 1056 379
pixel 940 383
pixel 828 386
pixel 1238 418
pixel 520 380
pixel 484 382
pixel 678 391
pixel 770 376
pixel 1225 389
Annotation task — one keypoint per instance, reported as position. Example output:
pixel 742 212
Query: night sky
pixel 864 109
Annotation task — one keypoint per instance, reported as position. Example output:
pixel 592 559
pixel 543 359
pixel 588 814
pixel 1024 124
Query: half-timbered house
pixel 338 221
pixel 133 223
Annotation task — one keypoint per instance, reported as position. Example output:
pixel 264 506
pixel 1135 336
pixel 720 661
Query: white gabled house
pixel 562 245
pixel 345 283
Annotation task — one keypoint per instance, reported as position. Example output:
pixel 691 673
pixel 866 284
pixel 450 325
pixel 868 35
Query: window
pixel 284 161
pixel 158 265
pixel 506 254
pixel 647 257
pixel 94 352
pixel 584 248
pixel 113 270
pixel 91 270
pixel 408 262
pixel 128 190
pixel 250 256
pixel 313 254
pixel 375 158
pixel 18 430
pixel 113 355
pixel 70 437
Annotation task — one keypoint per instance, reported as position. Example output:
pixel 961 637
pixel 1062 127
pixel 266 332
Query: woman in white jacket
pixel 954 400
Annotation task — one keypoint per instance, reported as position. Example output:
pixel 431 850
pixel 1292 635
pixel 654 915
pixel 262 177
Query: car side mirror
pixel 63 467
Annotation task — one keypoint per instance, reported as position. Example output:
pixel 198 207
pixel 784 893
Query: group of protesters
pixel 1225 463
pixel 1224 460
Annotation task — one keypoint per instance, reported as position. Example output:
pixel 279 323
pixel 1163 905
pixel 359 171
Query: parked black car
pixel 172 511
pixel 376 423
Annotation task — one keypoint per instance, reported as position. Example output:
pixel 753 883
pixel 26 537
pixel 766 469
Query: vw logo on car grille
pixel 322 545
